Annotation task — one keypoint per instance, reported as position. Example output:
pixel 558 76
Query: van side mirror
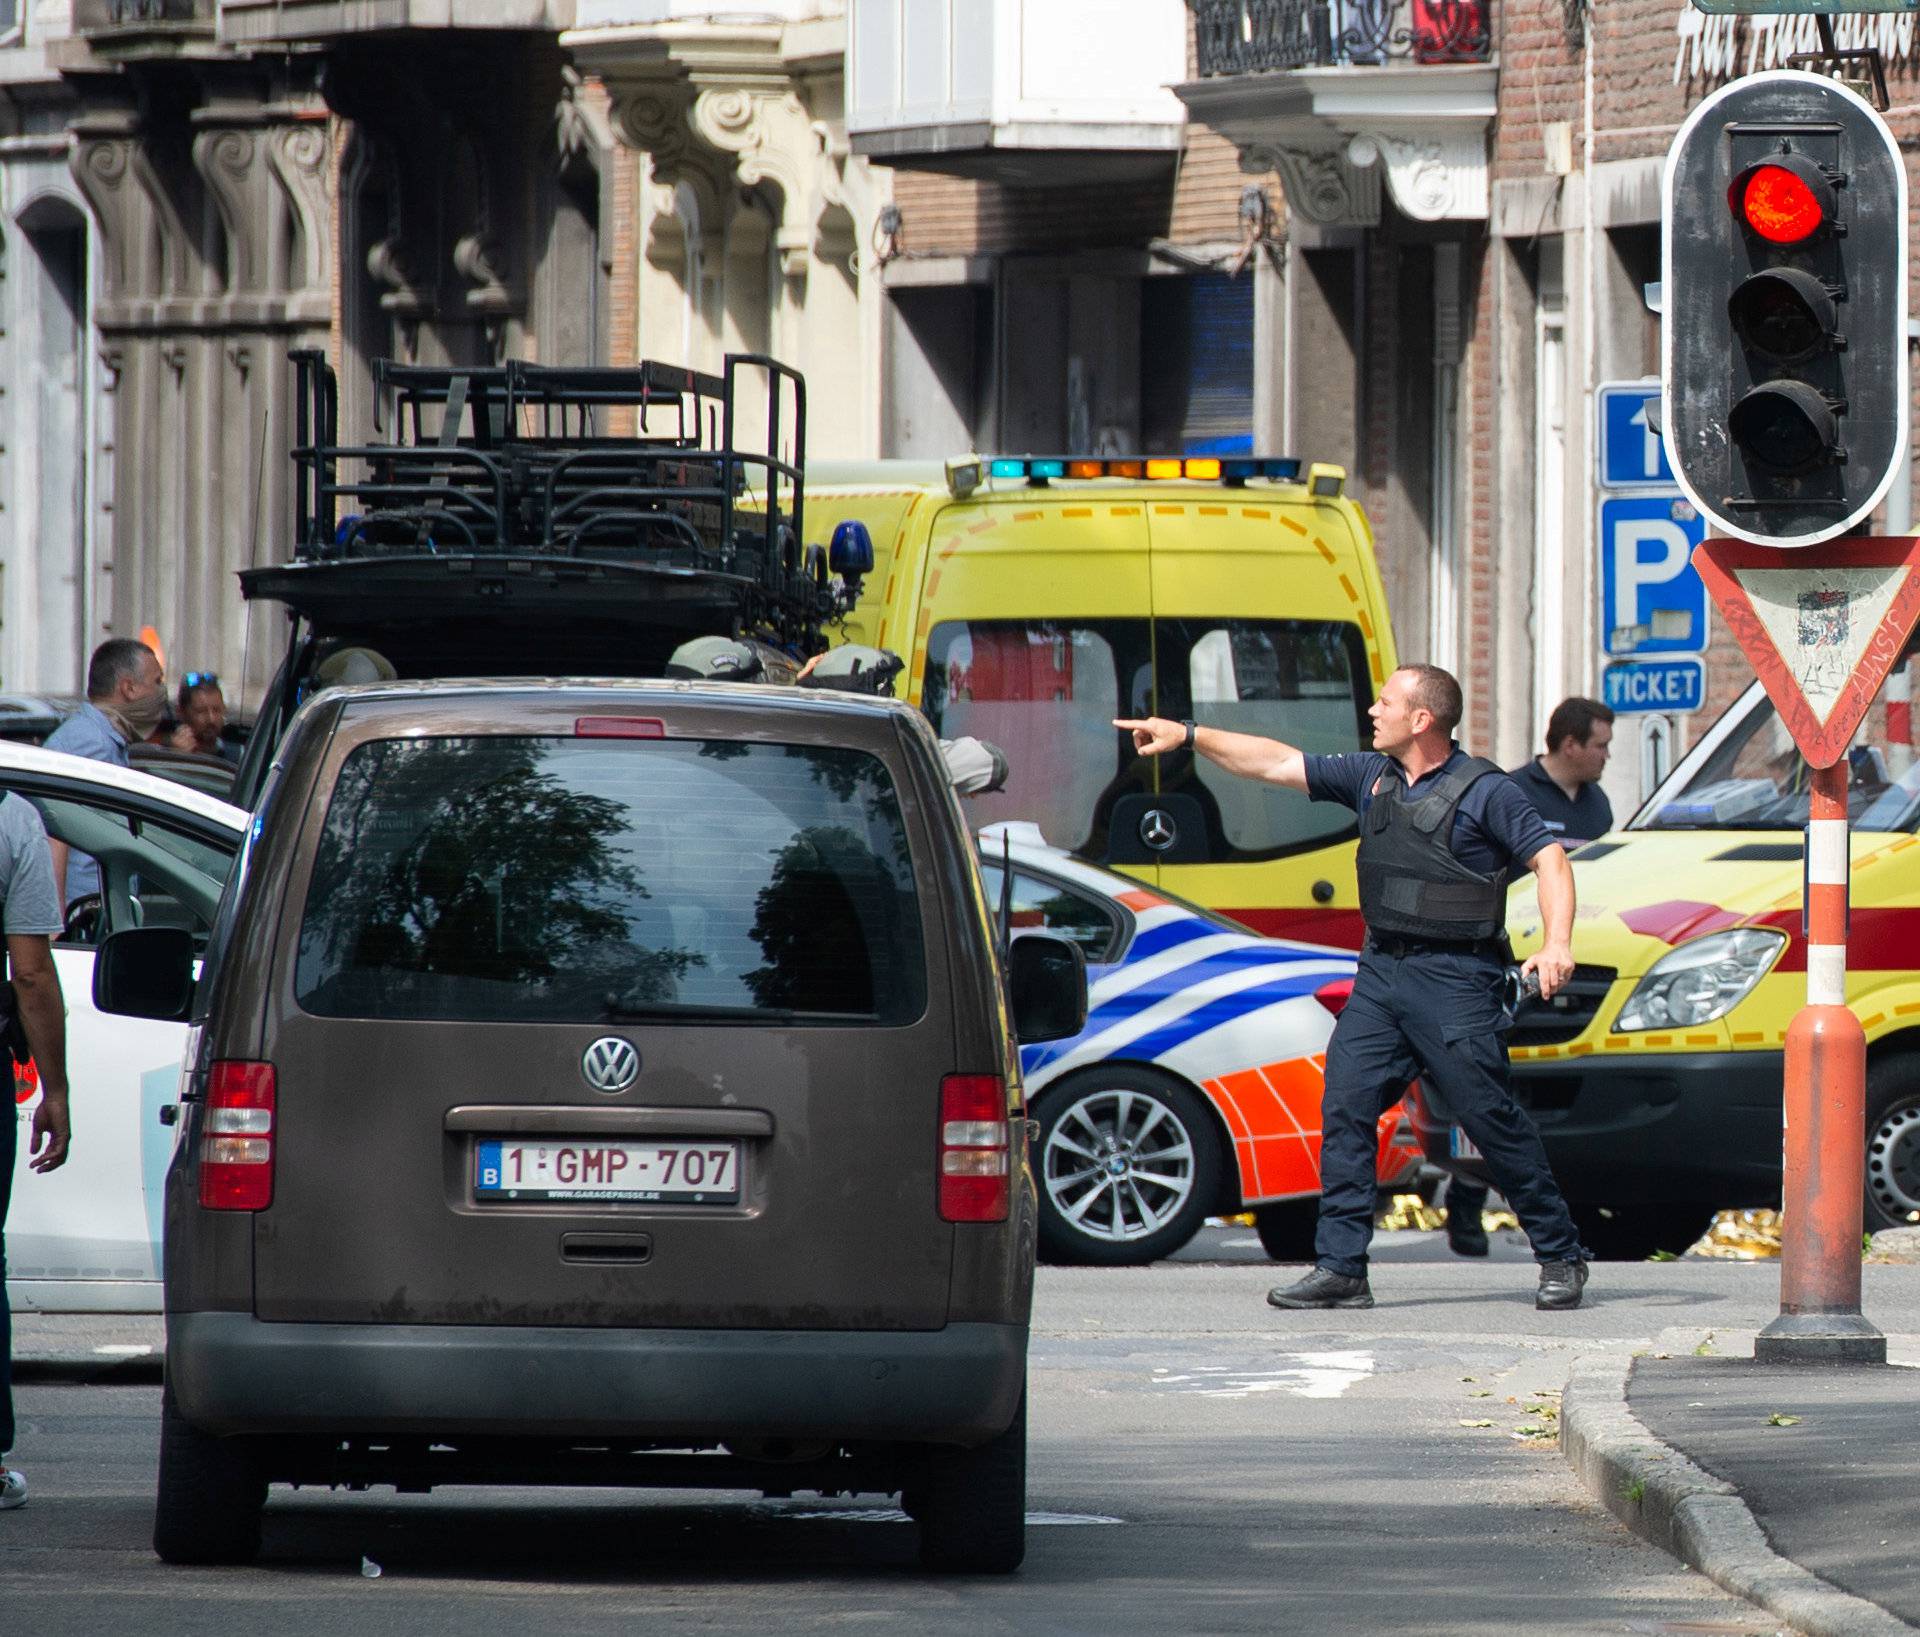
pixel 145 972
pixel 850 553
pixel 1047 979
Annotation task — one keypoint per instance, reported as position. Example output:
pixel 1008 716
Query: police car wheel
pixel 1129 1163
pixel 1893 1143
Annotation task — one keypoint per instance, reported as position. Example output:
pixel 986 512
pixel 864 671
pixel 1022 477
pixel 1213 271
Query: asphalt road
pixel 1200 1463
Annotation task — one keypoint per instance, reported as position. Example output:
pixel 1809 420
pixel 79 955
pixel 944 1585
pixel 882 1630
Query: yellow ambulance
pixel 1655 1076
pixel 1035 600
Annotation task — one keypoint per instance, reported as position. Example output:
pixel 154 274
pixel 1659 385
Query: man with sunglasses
pixel 202 710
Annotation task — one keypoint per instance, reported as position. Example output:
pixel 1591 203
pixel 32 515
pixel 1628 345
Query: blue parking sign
pixel 1651 600
pixel 1631 453
pixel 1667 686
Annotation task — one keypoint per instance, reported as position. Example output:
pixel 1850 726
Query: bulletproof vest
pixel 1411 885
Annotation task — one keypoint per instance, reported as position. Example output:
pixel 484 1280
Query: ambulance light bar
pixel 1231 470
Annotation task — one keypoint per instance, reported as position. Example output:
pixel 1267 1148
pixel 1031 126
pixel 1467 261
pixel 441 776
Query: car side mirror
pixel 145 972
pixel 1047 979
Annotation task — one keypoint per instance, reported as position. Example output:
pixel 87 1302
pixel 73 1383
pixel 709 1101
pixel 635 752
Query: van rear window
pixel 608 880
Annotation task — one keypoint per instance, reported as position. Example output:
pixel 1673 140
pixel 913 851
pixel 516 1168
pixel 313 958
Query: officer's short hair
pixel 116 659
pixel 1436 692
pixel 1573 719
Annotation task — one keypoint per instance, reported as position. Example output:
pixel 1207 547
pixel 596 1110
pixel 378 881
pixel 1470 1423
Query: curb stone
pixel 1665 1499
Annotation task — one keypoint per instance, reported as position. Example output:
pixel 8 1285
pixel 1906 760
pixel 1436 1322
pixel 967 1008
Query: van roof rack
pixel 638 476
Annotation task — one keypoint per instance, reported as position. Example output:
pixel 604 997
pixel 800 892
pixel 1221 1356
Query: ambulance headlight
pixel 1702 980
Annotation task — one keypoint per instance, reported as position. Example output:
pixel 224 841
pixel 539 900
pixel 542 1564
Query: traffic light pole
pixel 1826 1091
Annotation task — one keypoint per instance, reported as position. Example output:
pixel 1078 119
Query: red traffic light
pixel 1786 200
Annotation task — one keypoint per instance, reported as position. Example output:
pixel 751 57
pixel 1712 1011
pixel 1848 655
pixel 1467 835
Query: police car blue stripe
pixel 1210 1014
pixel 1162 985
pixel 1168 935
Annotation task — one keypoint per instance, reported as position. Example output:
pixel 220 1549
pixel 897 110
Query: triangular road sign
pixel 1821 626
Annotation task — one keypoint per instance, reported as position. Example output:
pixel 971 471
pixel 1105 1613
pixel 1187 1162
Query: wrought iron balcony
pixel 111 17
pixel 1266 36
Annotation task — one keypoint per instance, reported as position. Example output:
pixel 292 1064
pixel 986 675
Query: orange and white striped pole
pixel 1826 1093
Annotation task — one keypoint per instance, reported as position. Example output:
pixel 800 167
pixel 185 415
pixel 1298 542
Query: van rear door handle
pixel 588 1120
pixel 630 1248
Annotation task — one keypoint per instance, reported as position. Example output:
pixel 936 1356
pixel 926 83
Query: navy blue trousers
pixel 1435 1015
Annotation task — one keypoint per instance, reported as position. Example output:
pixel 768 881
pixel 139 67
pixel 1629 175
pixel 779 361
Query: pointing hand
pixel 1153 735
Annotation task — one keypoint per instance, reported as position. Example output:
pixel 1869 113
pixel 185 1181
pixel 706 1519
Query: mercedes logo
pixel 610 1064
pixel 1157 829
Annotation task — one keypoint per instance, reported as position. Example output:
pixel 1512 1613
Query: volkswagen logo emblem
pixel 610 1064
pixel 1157 829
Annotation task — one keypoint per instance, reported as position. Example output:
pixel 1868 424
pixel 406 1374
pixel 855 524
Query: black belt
pixel 1388 944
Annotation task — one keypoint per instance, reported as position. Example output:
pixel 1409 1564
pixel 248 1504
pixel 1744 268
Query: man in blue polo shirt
pixel 126 699
pixel 1441 832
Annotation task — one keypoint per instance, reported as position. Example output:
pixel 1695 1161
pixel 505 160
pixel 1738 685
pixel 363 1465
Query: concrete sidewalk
pixel 88 1347
pixel 1790 1486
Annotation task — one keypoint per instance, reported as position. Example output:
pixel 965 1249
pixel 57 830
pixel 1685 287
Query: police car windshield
pixel 1755 779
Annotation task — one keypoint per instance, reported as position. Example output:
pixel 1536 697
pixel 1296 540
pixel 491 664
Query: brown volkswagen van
pixel 610 1083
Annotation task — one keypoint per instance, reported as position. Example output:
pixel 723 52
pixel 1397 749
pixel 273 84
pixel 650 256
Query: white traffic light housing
pixel 1784 336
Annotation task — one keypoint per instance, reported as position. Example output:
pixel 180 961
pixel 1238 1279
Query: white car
pixel 1195 1087
pixel 86 1238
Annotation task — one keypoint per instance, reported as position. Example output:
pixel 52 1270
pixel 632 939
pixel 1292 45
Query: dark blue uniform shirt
pixel 1495 828
pixel 1573 823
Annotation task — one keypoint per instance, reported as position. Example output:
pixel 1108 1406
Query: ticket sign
pixel 1668 686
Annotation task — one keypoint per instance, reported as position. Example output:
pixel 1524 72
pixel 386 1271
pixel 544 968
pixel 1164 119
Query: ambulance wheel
pixel 1130 1162
pixel 1632 1233
pixel 1286 1229
pixel 1893 1143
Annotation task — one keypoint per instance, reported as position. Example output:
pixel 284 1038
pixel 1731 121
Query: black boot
pixel 1466 1236
pixel 1561 1284
pixel 1322 1289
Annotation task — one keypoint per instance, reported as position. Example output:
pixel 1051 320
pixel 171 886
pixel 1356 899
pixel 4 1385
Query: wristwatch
pixel 1188 723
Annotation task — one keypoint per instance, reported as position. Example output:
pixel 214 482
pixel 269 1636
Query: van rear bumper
pixel 233 1373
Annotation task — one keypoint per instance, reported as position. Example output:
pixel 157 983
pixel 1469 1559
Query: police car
pixel 86 1238
pixel 1194 1089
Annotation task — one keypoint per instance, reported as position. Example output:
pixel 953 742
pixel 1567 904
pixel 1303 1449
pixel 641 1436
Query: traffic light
pixel 1784 273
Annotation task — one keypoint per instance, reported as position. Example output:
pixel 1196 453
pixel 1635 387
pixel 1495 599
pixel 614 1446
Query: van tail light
pixel 976 1148
pixel 236 1142
pixel 1335 995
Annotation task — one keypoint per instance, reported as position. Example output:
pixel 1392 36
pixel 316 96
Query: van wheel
pixel 971 1504
pixel 210 1497
pixel 1286 1228
pixel 1129 1163
pixel 1893 1143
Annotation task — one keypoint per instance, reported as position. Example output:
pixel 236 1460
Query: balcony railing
pixel 1263 36
pixel 116 16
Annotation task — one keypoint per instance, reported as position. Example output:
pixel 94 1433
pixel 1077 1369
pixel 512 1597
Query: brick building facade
pixel 1552 273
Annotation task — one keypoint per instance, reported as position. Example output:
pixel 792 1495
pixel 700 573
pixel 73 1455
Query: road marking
pixel 124 1350
pixel 893 1514
pixel 1316 1375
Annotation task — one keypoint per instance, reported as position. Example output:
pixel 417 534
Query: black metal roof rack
pixel 639 473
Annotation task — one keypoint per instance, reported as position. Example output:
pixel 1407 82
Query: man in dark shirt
pixel 1564 788
pixel 1440 832
pixel 1564 784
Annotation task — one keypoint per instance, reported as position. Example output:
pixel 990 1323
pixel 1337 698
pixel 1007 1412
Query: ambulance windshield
pixel 1754 779
pixel 1047 691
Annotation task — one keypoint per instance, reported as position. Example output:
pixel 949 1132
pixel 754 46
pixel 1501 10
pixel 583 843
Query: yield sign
pixel 1821 635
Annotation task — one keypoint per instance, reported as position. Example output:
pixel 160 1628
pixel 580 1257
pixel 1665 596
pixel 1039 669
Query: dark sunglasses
pixel 200 679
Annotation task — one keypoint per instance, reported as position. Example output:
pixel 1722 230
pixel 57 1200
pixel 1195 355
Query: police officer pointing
pixel 1441 833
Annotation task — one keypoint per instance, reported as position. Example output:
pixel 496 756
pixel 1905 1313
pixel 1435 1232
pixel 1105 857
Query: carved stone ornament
pixel 1433 178
pixel 1321 180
